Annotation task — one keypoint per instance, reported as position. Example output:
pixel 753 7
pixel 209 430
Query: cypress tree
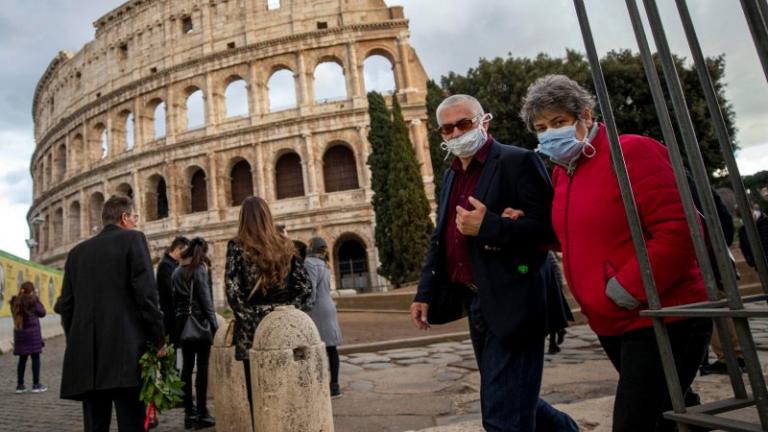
pixel 379 136
pixel 408 207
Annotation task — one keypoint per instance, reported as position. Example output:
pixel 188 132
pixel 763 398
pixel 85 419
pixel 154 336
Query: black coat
pixel 165 289
pixel 762 231
pixel 109 310
pixel 506 255
pixel 201 300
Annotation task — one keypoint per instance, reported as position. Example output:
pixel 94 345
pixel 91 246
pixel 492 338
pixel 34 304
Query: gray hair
pixel 556 93
pixel 473 104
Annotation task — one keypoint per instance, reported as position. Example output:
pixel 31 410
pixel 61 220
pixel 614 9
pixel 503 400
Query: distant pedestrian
pixel 323 311
pixel 192 295
pixel 262 271
pixel 110 311
pixel 761 221
pixel 27 339
pixel 558 311
pixel 165 269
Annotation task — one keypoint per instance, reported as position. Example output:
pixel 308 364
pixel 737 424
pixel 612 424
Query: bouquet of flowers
pixel 161 387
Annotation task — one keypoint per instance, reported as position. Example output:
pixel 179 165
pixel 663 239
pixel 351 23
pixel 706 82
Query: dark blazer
pixel 109 310
pixel 506 255
pixel 165 290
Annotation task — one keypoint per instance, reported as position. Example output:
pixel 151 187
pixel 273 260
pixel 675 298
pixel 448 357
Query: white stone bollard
pixel 289 375
pixel 230 397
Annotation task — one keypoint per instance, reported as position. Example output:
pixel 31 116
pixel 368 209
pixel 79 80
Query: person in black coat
pixel 490 267
pixel 762 230
pixel 165 269
pixel 192 294
pixel 110 313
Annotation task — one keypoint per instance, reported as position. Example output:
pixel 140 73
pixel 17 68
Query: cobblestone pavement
pixel 394 390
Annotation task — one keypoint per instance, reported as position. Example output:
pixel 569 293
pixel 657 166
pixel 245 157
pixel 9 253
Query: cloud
pixel 752 159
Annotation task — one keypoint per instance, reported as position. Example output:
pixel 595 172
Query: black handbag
pixel 194 331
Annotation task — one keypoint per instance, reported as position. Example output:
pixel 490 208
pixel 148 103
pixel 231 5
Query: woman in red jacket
pixel 598 254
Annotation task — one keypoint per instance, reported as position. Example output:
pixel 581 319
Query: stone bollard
pixel 290 377
pixel 230 397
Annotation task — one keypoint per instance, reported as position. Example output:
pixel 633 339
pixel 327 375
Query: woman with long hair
pixel 262 271
pixel 192 294
pixel 27 338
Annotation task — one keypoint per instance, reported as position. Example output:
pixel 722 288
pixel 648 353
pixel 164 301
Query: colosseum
pixel 148 109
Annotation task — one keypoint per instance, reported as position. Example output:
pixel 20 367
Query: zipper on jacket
pixel 566 255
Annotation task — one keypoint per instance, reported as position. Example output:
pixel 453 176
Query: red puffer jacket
pixel 590 222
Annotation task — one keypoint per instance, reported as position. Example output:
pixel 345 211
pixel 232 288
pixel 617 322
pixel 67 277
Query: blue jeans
pixel 510 380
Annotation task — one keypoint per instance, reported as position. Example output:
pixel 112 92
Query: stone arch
pixel 329 80
pixel 340 168
pixel 281 88
pixel 155 120
pixel 379 72
pixel 95 205
pixel 194 108
pixel 48 170
pixel 289 176
pixel 99 142
pixel 156 198
pixel 125 189
pixel 350 259
pixel 236 97
pixel 197 197
pixel 74 221
pixel 124 132
pixel 60 161
pixel 58 227
pixel 241 182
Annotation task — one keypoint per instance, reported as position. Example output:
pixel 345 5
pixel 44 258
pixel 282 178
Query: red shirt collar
pixel 479 157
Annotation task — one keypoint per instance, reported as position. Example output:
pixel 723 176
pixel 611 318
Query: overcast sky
pixel 449 35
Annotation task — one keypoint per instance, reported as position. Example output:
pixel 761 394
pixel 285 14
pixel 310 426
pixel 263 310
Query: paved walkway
pixel 432 388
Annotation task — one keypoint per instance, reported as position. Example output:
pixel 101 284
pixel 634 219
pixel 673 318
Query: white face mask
pixel 469 143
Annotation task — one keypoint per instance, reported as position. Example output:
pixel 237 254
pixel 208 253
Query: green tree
pixel 501 84
pixel 407 205
pixel 440 162
pixel 380 137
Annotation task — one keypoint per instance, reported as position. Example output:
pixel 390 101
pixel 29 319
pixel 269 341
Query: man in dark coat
pixel 165 269
pixel 109 310
pixel 489 266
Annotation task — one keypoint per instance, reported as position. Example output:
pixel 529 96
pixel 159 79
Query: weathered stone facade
pixel 97 114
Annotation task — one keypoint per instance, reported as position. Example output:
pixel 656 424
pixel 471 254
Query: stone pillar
pixel 138 196
pixel 305 93
pixel 405 50
pixel 174 200
pixel 211 103
pixel 230 396
pixel 255 88
pixel 364 150
pixel 417 137
pixel 259 171
pixel 354 89
pixel 138 124
pixel 289 375
pixel 213 182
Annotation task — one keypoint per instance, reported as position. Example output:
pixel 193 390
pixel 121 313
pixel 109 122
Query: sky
pixel 448 35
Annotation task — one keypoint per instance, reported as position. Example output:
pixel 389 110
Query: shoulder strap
pixel 191 290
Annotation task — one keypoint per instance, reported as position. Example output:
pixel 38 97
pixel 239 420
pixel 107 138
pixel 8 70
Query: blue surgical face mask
pixel 562 146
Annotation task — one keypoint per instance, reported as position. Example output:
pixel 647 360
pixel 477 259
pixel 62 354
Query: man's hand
pixel 419 315
pixel 162 352
pixel 513 214
pixel 468 222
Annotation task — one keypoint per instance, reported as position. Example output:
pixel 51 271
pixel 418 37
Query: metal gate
pixel 733 305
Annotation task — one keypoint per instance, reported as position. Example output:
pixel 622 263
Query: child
pixel 27 339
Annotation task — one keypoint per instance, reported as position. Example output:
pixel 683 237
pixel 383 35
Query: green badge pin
pixel 522 269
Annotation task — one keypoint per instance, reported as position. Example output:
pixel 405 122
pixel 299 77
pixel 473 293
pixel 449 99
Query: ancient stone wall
pixel 113 118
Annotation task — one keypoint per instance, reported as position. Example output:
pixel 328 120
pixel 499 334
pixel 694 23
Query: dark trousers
pixel 22 367
pixel 333 363
pixel 191 352
pixel 97 410
pixel 510 380
pixel 642 395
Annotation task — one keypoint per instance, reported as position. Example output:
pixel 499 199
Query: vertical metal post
pixel 737 383
pixel 756 20
pixel 717 239
pixel 725 143
pixel 633 219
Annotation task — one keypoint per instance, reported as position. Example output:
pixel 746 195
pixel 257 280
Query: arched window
pixel 129 132
pixel 339 169
pixel 379 75
pixel 58 227
pixel 330 84
pixel 282 90
pixel 156 198
pixel 289 177
pixel 195 107
pixel 104 143
pixel 198 192
pixel 74 221
pixel 351 264
pixel 241 182
pixel 95 205
pixel 155 124
pixel 125 189
pixel 236 97
pixel 60 161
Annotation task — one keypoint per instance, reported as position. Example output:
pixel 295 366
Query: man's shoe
pixel 190 420
pixel 715 368
pixel 20 389
pixel 39 388
pixel 205 420
pixel 335 390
